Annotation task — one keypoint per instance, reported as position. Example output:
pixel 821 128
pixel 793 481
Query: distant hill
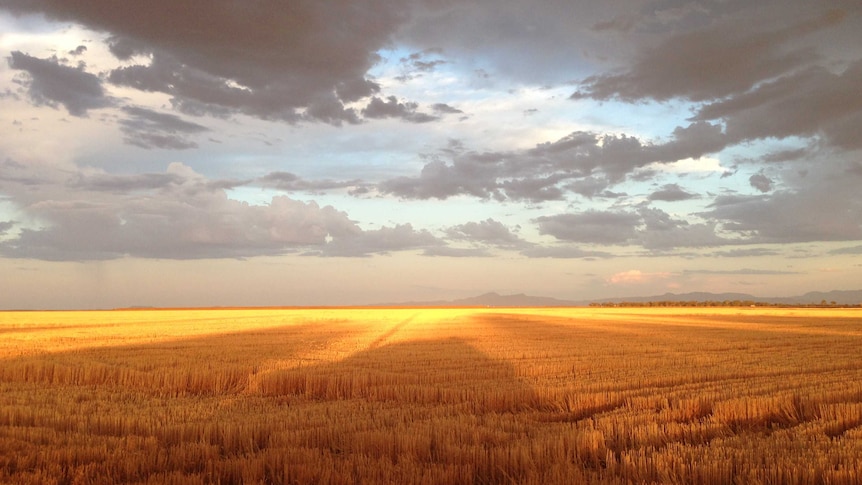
pixel 853 297
pixel 494 300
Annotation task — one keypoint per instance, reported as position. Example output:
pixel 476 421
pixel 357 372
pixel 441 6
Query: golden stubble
pixel 419 395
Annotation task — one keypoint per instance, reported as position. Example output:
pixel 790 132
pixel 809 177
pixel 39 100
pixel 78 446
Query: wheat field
pixel 432 396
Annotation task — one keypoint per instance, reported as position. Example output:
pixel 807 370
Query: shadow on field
pixel 297 361
pixel 200 365
pixel 447 371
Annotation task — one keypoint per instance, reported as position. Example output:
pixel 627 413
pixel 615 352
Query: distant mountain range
pixel 853 297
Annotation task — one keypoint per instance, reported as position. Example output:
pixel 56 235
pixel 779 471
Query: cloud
pixel 760 182
pixel 788 216
pixel 582 162
pixel 671 193
pixel 488 232
pixel 148 129
pixel 180 214
pixel 440 180
pixel 51 83
pixel 710 63
pixel 5 226
pixel 592 227
pixel 401 237
pixel 262 60
pixel 450 252
pixel 564 252
pixel 392 108
pixel 847 250
pixel 647 227
pixel 443 108
pixel 805 103
pixel 419 63
pixel 290 182
pixel 745 253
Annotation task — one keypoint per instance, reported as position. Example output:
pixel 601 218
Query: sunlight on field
pixel 417 395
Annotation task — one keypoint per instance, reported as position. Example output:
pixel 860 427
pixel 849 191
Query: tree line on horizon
pixel 722 303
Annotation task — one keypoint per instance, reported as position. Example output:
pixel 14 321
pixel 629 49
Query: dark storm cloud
pixel 672 193
pixel 150 129
pixel 711 63
pixel 51 83
pixel 263 58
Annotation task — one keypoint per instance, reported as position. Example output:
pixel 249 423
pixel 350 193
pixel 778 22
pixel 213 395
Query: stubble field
pixel 451 396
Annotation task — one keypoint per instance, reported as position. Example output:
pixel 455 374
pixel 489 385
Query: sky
pixel 229 153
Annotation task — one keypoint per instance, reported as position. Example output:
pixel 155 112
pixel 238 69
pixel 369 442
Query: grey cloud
pixel 592 227
pixel 417 63
pixel 78 50
pixel 5 226
pixel 393 108
pixel 820 212
pixel 847 250
pixel 581 162
pixel 206 226
pixel 711 63
pixel 647 227
pixel 440 180
pixel 745 253
pixel 51 83
pixel 760 182
pixel 564 252
pixel 291 182
pixel 180 214
pixel 442 108
pixel 450 252
pixel 672 193
pixel 150 129
pixel 593 186
pixel 401 237
pixel 785 155
pixel 489 231
pixel 805 103
pixel 263 60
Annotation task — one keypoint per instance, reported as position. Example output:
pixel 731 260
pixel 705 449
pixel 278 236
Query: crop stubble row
pixel 431 396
